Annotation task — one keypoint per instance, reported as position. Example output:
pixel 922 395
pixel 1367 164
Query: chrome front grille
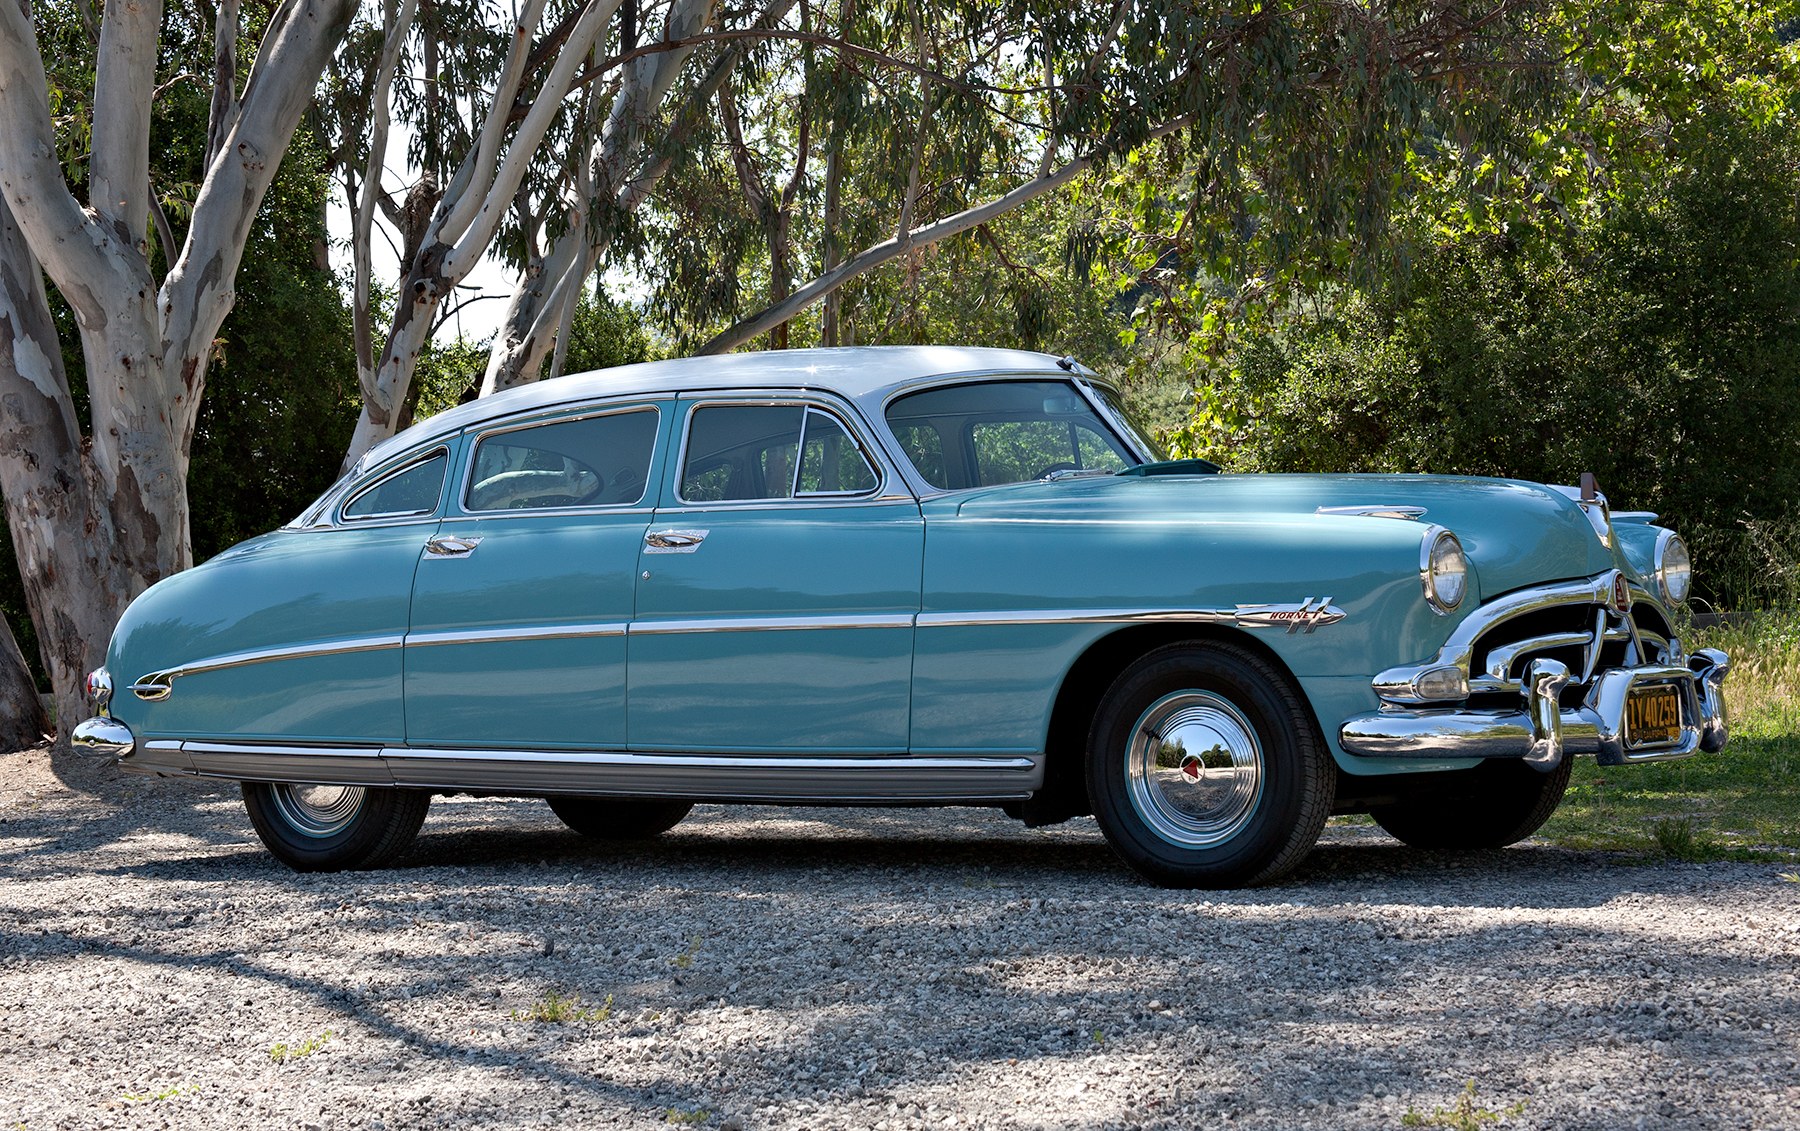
pixel 1583 636
pixel 1574 623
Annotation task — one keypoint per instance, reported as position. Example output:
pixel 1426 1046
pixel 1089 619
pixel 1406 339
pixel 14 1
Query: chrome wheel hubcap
pixel 1194 770
pixel 318 810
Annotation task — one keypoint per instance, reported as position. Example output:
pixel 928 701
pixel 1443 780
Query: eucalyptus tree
pixel 499 178
pixel 1294 123
pixel 99 509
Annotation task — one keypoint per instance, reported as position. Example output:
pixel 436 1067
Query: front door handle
pixel 673 541
pixel 451 546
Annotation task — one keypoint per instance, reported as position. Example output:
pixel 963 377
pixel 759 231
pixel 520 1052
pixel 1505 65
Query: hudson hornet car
pixel 905 576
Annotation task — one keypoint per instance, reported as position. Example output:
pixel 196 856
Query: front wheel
pixel 1206 769
pixel 332 828
pixel 1491 806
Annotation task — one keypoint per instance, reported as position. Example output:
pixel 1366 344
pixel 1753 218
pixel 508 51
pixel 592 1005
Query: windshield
pixel 986 433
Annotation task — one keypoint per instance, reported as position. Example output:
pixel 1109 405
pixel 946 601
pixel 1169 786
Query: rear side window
pixel 593 462
pixel 411 492
pixel 739 453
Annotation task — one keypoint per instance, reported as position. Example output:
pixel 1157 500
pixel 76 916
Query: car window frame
pixel 847 417
pixel 400 467
pixel 1082 379
pixel 474 436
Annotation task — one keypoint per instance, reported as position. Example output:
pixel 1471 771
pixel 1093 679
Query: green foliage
pixel 559 1009
pixel 1658 346
pixel 282 1052
pixel 281 394
pixel 1463 1115
pixel 604 334
pixel 1742 803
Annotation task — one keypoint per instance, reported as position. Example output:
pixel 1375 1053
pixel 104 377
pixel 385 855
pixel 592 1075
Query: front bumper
pixel 1542 733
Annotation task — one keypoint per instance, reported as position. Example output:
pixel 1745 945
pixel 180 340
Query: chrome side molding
pixel 848 778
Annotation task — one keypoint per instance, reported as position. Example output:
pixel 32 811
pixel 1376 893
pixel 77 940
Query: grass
pixel 687 1115
pixel 168 1093
pixel 284 1052
pixel 556 1009
pixel 1742 803
pixel 1462 1115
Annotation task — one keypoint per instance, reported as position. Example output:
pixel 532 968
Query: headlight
pixel 1445 572
pixel 1674 570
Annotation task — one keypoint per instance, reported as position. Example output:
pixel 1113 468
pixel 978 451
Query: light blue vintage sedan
pixel 898 576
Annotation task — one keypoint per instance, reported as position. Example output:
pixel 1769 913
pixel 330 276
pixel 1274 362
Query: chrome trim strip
pixel 1290 616
pixel 748 777
pixel 724 777
pixel 770 624
pixel 1076 616
pixel 1376 510
pixel 155 685
pixel 501 635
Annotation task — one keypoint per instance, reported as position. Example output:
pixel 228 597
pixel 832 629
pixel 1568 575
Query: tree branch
pixel 464 206
pixel 124 77
pixel 396 21
pixel 83 260
pixel 472 243
pixel 223 114
pixel 775 314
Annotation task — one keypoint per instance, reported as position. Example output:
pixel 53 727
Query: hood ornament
pixel 1305 616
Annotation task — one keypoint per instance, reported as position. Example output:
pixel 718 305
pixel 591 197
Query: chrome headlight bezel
pixel 1673 567
pixel 1443 570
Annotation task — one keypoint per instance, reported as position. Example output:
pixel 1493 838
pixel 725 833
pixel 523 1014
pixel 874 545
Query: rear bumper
pixel 1542 733
pixel 104 737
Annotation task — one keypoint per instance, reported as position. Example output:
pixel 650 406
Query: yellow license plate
pixel 1652 716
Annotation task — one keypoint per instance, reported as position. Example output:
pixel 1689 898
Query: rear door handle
pixel 673 541
pixel 451 546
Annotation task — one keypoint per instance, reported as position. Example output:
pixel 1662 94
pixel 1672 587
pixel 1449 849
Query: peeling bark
pixel 97 518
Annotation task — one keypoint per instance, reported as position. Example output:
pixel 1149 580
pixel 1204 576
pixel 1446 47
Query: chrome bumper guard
pixel 1541 732
pixel 103 737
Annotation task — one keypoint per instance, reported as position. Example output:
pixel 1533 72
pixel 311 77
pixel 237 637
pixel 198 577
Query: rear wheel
pixel 331 828
pixel 1206 769
pixel 1497 803
pixel 612 818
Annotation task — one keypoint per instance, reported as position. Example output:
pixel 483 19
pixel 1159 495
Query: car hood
pixel 1515 533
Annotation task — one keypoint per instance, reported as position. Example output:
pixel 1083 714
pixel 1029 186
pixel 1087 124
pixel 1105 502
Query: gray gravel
pixel 812 968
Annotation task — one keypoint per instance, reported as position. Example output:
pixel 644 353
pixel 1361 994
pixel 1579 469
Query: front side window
pixel 597 461
pixel 738 453
pixel 410 492
pixel 986 433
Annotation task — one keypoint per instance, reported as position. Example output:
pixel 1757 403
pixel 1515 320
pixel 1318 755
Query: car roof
pixel 857 373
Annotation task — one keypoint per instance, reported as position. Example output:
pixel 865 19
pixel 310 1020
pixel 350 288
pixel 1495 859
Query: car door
pixel 777 587
pixel 521 601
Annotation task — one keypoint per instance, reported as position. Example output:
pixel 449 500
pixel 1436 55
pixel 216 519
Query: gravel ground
pixel 768 968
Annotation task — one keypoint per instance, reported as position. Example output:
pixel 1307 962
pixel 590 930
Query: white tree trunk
pixel 528 333
pixel 95 520
pixel 470 212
